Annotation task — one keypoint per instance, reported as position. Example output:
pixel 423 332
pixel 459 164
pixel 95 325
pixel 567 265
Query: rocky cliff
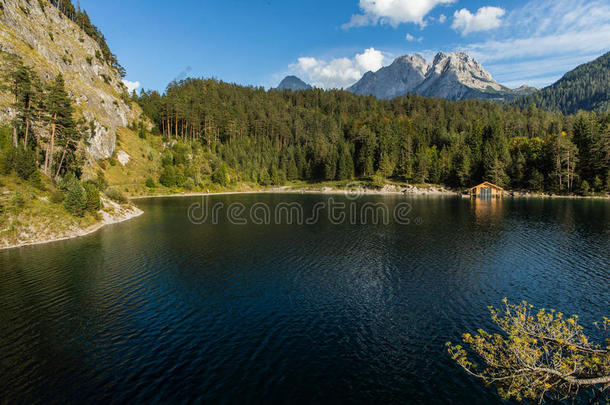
pixel 453 76
pixel 51 44
pixel 401 77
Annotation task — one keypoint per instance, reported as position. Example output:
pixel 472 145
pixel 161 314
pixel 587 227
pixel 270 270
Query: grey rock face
pixel 401 77
pixel 51 44
pixel 293 83
pixel 102 142
pixel 453 76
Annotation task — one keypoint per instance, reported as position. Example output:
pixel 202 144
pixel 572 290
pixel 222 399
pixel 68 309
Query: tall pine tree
pixel 60 119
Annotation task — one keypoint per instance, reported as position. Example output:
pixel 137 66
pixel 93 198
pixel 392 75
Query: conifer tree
pixel 25 94
pixel 59 116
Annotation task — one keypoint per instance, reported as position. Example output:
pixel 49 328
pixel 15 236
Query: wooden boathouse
pixel 487 190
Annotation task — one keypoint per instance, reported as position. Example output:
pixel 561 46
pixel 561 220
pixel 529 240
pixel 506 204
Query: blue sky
pixel 332 43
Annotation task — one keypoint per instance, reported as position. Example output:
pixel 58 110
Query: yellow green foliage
pixel 539 356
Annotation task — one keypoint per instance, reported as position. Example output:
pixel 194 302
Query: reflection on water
pixel 487 210
pixel 160 310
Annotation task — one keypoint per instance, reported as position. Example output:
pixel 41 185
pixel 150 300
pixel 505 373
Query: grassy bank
pixel 31 213
pixel 28 213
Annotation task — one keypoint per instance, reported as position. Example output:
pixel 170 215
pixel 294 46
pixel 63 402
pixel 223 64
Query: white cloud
pixel 338 72
pixel 393 12
pixel 538 73
pixel 592 42
pixel 370 60
pixel 549 28
pixel 544 39
pixel 533 44
pixel 442 18
pixel 411 38
pixel 308 63
pixel 485 19
pixel 131 86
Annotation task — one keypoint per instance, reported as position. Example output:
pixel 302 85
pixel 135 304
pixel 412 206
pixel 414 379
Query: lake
pixel 227 310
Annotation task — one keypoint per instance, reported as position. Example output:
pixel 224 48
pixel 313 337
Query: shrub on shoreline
pixel 116 195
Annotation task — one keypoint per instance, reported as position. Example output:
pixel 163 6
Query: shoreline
pixel 520 194
pixel 411 190
pixel 125 214
pixel 128 213
pixel 408 191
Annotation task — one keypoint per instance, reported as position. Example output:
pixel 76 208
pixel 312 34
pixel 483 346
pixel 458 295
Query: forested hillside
pixel 61 103
pixel 53 38
pixel 271 137
pixel 585 88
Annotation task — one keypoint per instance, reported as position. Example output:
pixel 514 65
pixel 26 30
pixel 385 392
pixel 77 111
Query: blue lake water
pixel 159 309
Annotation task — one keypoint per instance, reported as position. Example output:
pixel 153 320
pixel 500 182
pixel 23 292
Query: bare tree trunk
pixel 27 126
pixel 15 142
pixel 568 173
pixel 559 169
pixel 61 162
pixel 49 155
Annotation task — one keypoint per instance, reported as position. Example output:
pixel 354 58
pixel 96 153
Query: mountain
pixel 401 77
pixel 457 76
pixel 293 83
pixel 585 88
pixel 453 76
pixel 46 40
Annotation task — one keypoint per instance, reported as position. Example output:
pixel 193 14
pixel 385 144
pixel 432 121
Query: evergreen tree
pixel 94 203
pixel 314 135
pixel 75 200
pixel 60 120
pixel 584 88
pixel 25 94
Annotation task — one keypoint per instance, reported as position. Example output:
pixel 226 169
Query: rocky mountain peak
pixel 450 72
pixel 441 56
pixel 398 79
pixel 414 59
pixel 293 83
pixel 454 76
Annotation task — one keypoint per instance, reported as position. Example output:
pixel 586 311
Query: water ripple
pixel 159 310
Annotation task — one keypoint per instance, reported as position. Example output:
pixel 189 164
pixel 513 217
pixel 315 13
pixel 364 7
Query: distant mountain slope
pixel 453 76
pixel 401 77
pixel 585 88
pixel 293 83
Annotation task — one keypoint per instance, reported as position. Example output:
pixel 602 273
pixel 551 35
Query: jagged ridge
pixel 453 76
pixel 401 77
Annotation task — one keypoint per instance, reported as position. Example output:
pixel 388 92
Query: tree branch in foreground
pixel 542 356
